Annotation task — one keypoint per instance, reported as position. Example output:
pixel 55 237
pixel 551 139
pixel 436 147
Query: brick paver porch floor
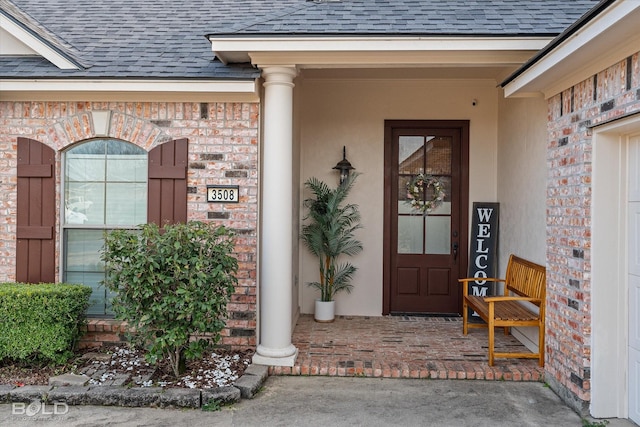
pixel 403 347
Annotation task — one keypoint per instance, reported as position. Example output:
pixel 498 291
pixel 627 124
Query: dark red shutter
pixel 36 213
pixel 167 201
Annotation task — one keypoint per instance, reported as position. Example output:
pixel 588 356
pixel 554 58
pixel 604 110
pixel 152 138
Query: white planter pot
pixel 325 311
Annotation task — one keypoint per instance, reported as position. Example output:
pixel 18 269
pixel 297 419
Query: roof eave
pixel 213 90
pixel 54 54
pixel 339 50
pixel 601 37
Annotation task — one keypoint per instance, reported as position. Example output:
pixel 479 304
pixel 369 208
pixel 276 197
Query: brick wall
pixel 611 93
pixel 223 149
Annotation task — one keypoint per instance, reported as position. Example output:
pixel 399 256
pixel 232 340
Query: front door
pixel 425 252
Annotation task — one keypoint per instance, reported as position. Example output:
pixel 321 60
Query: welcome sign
pixel 483 257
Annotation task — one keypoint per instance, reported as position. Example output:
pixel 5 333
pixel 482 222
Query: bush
pixel 41 323
pixel 171 285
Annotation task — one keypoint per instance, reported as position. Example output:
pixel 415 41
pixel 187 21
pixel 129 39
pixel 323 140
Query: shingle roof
pixel 419 17
pixel 166 38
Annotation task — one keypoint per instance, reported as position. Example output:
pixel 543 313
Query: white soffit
pixel 200 89
pixel 340 52
pixel 31 45
pixel 608 38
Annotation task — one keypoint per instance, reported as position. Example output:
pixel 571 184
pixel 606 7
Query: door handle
pixel 455 251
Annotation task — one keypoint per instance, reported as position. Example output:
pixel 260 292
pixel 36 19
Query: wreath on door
pixel 418 187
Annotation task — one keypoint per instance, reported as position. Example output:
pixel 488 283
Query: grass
pixel 587 423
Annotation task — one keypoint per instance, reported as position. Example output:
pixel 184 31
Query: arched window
pixel 105 187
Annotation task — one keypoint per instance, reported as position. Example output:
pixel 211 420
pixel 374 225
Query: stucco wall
pixel 522 183
pixel 351 113
pixel 223 149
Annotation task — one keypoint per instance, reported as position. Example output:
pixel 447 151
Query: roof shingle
pixel 166 38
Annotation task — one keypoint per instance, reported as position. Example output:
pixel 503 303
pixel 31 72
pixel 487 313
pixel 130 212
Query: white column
pixel 275 280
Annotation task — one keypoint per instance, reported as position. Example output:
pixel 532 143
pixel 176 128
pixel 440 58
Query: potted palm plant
pixel 329 234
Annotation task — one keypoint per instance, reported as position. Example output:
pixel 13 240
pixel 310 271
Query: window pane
pixel 84 167
pixel 105 184
pixel 410 234
pixel 127 168
pixel 82 250
pixel 97 300
pixel 126 204
pixel 84 203
pixel 83 264
pixel 438 235
pixel 117 148
pixel 98 146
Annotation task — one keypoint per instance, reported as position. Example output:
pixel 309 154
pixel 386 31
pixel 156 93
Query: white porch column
pixel 275 280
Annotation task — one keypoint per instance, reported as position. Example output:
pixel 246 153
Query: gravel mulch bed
pixel 127 365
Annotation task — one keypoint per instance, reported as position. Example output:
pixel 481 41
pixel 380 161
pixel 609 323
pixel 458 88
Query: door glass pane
pixel 410 234
pixel 403 206
pixel 437 235
pixel 439 155
pixel 410 155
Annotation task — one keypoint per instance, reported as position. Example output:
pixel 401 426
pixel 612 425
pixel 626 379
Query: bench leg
pixel 507 330
pixel 541 327
pixel 491 327
pixel 465 316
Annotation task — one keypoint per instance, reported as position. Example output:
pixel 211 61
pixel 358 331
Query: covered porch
pixel 403 347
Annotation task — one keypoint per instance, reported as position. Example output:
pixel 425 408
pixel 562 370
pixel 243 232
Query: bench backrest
pixel 526 278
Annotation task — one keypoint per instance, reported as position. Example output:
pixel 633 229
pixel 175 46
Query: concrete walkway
pixel 336 401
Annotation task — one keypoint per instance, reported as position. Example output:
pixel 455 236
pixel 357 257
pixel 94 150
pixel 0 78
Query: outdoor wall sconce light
pixel 344 166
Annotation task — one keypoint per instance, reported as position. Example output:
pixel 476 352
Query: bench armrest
pixel 510 298
pixel 464 282
pixel 479 279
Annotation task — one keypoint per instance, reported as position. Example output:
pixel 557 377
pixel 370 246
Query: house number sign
pixel 223 193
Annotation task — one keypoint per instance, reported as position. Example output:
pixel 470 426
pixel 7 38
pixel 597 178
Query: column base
pixel 279 357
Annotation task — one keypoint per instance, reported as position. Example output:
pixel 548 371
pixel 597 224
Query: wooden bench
pixel 527 281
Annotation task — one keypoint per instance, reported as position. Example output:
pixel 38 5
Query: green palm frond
pixel 329 232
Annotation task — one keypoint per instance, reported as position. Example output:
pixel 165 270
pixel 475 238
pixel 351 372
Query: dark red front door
pixel 425 254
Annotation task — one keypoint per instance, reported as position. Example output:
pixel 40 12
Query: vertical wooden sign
pixel 483 257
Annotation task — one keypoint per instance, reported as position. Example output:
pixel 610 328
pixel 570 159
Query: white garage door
pixel 634 279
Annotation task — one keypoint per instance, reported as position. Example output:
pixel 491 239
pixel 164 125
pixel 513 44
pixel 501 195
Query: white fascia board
pixel 152 89
pixel 606 39
pixel 37 45
pixel 392 59
pixel 242 49
pixel 195 86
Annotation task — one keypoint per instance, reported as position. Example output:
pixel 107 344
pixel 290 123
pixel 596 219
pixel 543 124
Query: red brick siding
pixel 570 114
pixel 223 149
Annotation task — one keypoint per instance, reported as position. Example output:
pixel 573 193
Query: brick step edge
pixel 246 387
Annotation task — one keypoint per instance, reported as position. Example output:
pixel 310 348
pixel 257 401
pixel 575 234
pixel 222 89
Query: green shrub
pixel 171 285
pixel 41 322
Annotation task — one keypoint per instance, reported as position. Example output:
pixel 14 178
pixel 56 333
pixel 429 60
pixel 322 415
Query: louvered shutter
pixel 167 199
pixel 36 215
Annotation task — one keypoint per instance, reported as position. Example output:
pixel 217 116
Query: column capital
pixel 281 74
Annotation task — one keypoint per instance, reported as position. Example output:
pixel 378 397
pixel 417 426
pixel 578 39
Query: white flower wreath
pixel 416 190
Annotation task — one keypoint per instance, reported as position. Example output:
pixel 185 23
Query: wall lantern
pixel 344 166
